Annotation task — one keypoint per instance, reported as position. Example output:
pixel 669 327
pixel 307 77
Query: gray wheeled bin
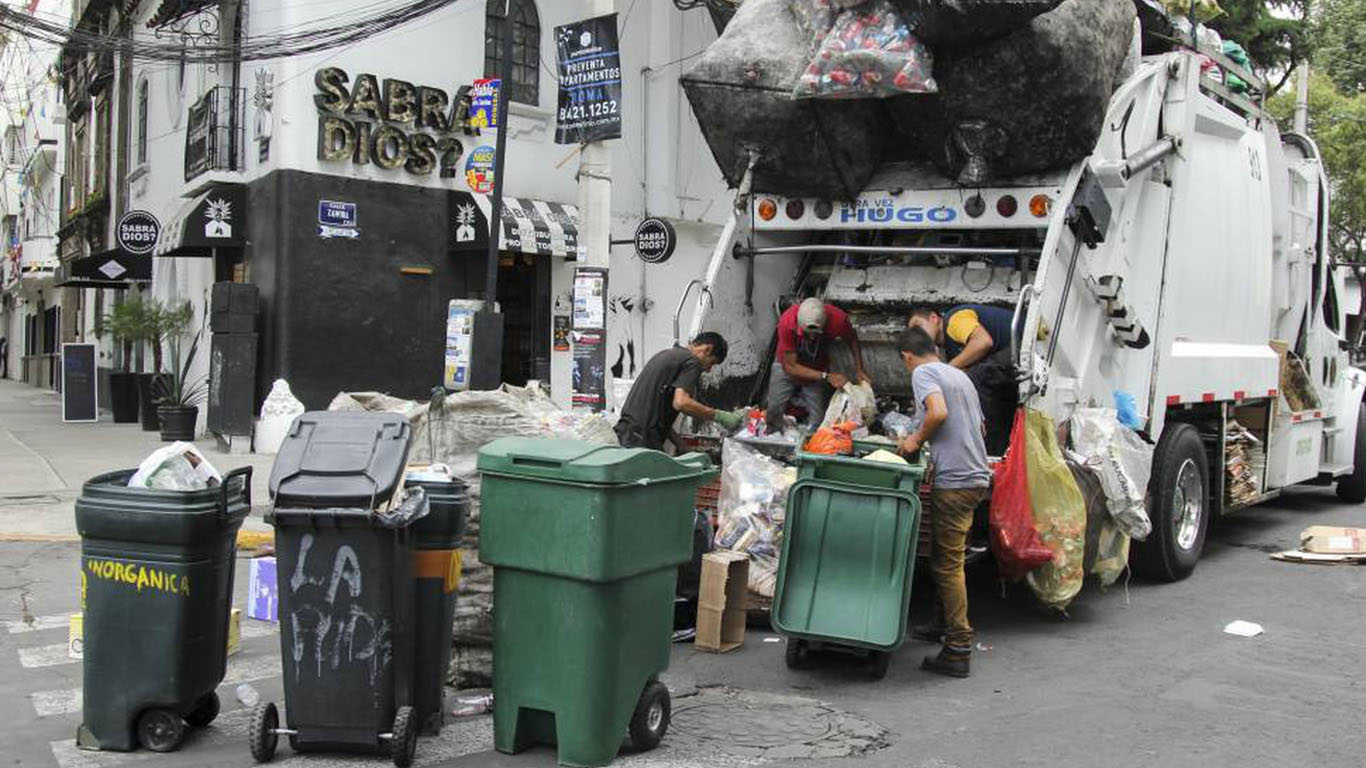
pixel 156 590
pixel 346 588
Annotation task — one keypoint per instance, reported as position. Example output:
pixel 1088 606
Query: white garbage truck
pixel 1183 265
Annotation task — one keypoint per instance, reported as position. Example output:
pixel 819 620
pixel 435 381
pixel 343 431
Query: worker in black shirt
pixel 666 387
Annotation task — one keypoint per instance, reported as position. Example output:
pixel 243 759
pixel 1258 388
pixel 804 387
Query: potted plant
pixel 159 323
pixel 179 394
pixel 125 324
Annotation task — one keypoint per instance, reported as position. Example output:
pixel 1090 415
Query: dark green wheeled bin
pixel 156 591
pixel 585 541
pixel 848 557
pixel 436 571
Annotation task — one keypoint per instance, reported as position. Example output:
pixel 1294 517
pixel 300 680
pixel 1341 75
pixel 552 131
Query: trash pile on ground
pixel 816 94
pixel 1328 545
pixel 452 434
pixel 1244 465
pixel 751 510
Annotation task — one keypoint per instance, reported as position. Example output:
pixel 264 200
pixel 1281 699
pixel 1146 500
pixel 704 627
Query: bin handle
pixel 698 461
pixel 243 472
pixel 543 461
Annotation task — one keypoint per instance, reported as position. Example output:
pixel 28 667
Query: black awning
pixel 111 269
pixel 216 218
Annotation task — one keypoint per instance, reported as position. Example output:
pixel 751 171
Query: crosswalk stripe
pixel 68 702
pixel 46 656
pixel 457 739
pixel 38 623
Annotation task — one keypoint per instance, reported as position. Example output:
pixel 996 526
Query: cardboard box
pixel 721 601
pixel 263 590
pixel 75 634
pixel 1330 540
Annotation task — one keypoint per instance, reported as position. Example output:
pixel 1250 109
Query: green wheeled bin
pixel 848 557
pixel 156 592
pixel 436 571
pixel 585 541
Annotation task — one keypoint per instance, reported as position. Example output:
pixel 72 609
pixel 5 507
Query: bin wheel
pixel 404 742
pixel 265 720
pixel 878 661
pixel 205 711
pixel 650 721
pixel 161 730
pixel 798 654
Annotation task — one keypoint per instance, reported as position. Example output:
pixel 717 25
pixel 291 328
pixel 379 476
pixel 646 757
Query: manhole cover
pixel 764 726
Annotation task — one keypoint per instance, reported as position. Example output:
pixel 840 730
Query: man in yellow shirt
pixel 976 339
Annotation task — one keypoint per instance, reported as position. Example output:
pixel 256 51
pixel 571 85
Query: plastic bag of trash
pixel 869 52
pixel 1059 513
pixel 968 22
pixel 1123 463
pixel 854 403
pixel 175 467
pixel 751 508
pixel 815 17
pixel 898 425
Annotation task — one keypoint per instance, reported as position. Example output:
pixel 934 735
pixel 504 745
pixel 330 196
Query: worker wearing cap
pixel 801 370
pixel 976 340
pixel 667 386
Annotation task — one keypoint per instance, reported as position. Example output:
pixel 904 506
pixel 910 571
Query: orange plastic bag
pixel 832 441
pixel 1015 540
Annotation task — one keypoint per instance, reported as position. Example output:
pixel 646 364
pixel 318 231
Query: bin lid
pixel 579 462
pixel 341 459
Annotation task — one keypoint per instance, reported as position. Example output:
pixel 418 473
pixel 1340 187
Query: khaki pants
pixel 950 519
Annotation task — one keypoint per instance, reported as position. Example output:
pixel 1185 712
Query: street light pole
pixel 499 162
pixel 595 185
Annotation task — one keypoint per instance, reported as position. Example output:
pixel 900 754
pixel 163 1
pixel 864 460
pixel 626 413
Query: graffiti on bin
pixel 330 629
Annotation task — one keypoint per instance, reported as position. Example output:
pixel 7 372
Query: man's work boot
pixel 952 662
pixel 928 633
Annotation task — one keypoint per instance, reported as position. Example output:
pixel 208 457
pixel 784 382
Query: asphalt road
pixel 1136 676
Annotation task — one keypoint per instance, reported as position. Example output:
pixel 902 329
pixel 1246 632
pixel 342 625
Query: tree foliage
pixel 1341 52
pixel 1337 122
pixel 1277 34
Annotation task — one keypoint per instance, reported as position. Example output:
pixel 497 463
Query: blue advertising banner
pixel 590 81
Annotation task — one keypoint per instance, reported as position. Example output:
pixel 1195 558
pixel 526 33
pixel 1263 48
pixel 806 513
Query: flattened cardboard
pixel 721 601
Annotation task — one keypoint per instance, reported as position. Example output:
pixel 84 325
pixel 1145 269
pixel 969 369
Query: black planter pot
pixel 151 422
pixel 123 397
pixel 177 422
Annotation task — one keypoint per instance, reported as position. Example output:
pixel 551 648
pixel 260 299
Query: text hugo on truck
pixel 405 112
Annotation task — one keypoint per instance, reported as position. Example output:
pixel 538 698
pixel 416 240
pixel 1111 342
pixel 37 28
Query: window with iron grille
pixel 524 83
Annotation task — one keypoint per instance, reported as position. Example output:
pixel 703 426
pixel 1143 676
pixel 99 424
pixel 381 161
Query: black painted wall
pixel 338 314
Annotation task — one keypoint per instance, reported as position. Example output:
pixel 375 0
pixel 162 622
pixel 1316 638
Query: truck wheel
pixel 1180 509
pixel 650 721
pixel 1352 488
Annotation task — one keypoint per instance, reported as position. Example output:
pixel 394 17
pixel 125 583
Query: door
pixel 524 295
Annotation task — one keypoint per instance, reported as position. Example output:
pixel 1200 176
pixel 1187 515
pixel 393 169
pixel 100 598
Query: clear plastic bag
pixel 751 508
pixel 869 52
pixel 1123 463
pixel 175 467
pixel 853 403
pixel 815 17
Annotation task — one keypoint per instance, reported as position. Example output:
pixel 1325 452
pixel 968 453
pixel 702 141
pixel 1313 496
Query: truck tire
pixel 1179 506
pixel 1352 488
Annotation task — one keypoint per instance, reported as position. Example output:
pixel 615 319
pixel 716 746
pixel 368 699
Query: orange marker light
pixel 1040 205
pixel 767 209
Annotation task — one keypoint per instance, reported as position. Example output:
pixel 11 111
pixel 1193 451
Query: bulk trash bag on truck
pixel 741 89
pixel 1122 462
pixel 869 52
pixel 1059 514
pixel 946 23
pixel 1015 541
pixel 1028 102
pixel 751 510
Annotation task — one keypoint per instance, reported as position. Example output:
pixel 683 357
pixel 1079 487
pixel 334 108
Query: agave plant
pixel 177 388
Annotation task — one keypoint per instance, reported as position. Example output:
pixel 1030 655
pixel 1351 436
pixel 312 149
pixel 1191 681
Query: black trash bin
pixel 156 591
pixel 437 576
pixel 346 592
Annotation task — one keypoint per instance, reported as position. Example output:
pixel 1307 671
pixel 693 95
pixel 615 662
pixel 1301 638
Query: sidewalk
pixel 43 463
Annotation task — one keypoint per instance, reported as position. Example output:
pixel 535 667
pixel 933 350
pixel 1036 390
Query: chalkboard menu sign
pixel 79 383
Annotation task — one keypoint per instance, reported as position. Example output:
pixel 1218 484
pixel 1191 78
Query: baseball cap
pixel 811 315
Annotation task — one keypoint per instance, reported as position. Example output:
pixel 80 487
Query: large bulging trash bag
pixel 944 23
pixel 741 92
pixel 1059 513
pixel 1031 101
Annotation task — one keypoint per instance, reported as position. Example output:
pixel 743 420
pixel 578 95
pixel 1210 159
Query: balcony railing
pixel 214 133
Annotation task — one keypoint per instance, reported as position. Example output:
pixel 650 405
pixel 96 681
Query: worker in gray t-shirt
pixel 952 425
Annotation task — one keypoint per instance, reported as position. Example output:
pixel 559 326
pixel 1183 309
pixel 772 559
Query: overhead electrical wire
pixel 277 45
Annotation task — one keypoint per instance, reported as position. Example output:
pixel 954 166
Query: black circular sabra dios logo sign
pixel 138 232
pixel 655 241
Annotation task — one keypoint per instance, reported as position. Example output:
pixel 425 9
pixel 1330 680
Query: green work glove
pixel 729 421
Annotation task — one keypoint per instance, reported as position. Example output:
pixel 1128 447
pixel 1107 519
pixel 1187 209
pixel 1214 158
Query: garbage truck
pixel 1182 266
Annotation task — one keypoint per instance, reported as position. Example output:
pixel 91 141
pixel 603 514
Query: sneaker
pixel 928 633
pixel 950 664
